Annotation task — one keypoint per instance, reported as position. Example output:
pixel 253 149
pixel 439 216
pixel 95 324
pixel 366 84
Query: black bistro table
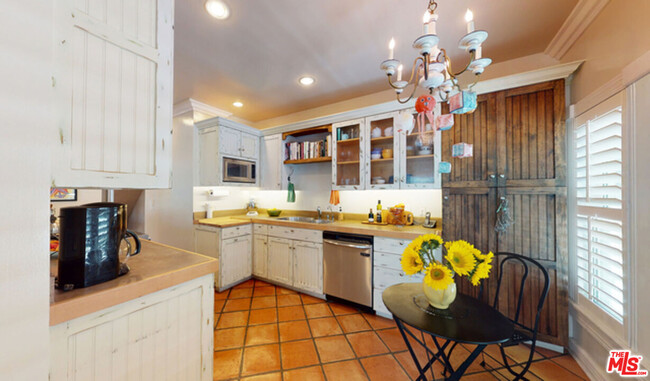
pixel 467 320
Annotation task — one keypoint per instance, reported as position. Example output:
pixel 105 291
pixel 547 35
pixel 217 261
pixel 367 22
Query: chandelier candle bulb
pixel 399 72
pixel 469 18
pixel 478 53
pixel 391 49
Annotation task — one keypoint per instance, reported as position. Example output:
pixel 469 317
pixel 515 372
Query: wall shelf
pixel 308 131
pixel 308 161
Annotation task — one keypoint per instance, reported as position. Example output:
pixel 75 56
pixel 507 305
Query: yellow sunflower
pixel 460 255
pixel 438 276
pixel 482 271
pixel 432 237
pixel 411 262
pixel 484 257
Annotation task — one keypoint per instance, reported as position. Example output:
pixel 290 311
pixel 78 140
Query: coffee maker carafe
pixel 90 239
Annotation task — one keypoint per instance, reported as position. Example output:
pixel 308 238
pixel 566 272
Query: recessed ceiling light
pixel 306 80
pixel 238 104
pixel 217 9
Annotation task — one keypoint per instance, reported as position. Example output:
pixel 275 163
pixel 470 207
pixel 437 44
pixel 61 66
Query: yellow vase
pixel 440 299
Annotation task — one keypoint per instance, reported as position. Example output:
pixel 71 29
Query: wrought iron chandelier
pixel 432 69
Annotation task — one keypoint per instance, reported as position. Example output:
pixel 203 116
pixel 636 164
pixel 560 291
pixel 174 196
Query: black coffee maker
pixel 89 244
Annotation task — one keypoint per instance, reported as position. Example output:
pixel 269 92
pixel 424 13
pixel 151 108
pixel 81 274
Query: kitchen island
pixel 153 323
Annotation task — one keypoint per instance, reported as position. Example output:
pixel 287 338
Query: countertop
pixel 156 268
pixel 345 226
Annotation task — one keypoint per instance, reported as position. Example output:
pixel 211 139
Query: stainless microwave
pixel 238 171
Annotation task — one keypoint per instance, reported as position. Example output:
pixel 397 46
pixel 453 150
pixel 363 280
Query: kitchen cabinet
pixel 280 261
pixel 160 336
pixel 518 170
pixel 272 154
pixel 260 255
pixel 400 160
pixel 348 155
pixel 232 246
pixel 113 86
pixel 218 138
pixel 308 266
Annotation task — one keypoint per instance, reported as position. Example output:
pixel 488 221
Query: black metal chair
pixel 523 334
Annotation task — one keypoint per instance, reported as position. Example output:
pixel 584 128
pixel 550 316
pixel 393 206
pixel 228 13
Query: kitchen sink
pixel 305 219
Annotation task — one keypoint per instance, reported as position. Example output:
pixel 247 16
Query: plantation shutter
pixel 600 214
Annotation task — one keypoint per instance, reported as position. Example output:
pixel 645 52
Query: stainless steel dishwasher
pixel 347 267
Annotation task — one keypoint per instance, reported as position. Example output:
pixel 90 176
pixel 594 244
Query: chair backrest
pixel 525 262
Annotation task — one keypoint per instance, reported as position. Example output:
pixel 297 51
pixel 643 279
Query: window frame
pixel 617 330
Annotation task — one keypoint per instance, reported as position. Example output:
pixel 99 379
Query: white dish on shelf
pixel 378 180
pixel 375 156
pixel 388 131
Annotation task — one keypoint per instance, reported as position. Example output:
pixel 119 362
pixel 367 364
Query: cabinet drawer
pixel 260 229
pixel 378 303
pixel 385 277
pixel 236 231
pixel 391 261
pixel 391 245
pixel 296 234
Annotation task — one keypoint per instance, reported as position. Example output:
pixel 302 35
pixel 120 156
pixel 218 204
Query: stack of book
pixel 308 150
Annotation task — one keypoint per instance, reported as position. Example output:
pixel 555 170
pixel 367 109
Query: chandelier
pixel 432 69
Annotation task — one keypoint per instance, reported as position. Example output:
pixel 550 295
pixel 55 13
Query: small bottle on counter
pixel 371 216
pixel 340 213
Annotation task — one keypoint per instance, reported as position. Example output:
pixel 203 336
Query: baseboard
pixel 594 371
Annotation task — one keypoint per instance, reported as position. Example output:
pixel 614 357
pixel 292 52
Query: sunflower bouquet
pixel 461 258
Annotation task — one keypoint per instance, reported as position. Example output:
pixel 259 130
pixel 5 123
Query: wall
pixel 84 196
pixel 167 216
pixel 25 123
pixel 617 36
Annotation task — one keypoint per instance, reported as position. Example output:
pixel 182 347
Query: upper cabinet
pixel 372 153
pixel 113 89
pixel 271 162
pixel 219 138
pixel 348 155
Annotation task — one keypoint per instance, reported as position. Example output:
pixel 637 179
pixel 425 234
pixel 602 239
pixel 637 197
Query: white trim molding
pixel 507 82
pixel 630 74
pixel 582 15
pixel 194 105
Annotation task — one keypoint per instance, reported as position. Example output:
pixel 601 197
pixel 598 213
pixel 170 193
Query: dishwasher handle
pixel 348 244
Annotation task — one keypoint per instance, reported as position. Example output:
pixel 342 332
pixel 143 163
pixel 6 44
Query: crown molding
pixel 194 105
pixel 582 15
pixel 487 86
pixel 630 74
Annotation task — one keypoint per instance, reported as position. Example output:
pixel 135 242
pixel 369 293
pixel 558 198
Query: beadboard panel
pixel 166 335
pixel 113 84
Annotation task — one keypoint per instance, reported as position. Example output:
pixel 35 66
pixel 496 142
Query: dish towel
pixel 334 197
pixel 291 195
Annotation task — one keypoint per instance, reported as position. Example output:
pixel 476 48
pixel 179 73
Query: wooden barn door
pixel 520 157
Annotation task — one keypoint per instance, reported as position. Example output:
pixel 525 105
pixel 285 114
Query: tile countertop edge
pixel 66 310
pixel 346 226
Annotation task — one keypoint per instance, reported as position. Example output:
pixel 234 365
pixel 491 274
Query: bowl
pixel 378 180
pixel 375 156
pixel 273 212
pixel 387 153
pixel 426 150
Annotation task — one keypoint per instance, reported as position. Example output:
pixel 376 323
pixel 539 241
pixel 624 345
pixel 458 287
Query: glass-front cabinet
pixel 383 152
pixel 371 153
pixel 348 155
pixel 420 157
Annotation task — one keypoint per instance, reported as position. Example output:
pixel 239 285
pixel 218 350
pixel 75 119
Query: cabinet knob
pixel 502 176
pixel 492 176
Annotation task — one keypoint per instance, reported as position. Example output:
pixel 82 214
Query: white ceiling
pixel 257 55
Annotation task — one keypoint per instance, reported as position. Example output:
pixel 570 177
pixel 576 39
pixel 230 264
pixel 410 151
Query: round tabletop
pixel 467 320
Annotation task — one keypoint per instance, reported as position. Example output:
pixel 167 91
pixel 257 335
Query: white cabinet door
pixel 280 260
pixel 235 262
pixel 260 255
pixel 113 89
pixel 206 242
pixel 382 172
pixel 271 162
pixel 308 266
pixel 348 155
pixel 208 157
pixel 250 146
pixel 229 141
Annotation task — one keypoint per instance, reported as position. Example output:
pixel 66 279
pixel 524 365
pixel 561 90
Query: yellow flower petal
pixel 438 276
pixel 460 256
pixel 411 262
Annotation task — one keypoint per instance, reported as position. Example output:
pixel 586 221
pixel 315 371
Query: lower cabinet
pixel 293 262
pixel 260 255
pixel 232 246
pixel 280 261
pixel 166 335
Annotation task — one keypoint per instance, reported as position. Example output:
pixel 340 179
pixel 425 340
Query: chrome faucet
pixel 319 212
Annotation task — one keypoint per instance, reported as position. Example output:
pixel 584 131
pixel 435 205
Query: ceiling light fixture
pixel 217 9
pixel 307 80
pixel 432 69
pixel 238 104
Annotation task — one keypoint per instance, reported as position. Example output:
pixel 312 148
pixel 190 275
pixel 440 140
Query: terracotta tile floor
pixel 264 332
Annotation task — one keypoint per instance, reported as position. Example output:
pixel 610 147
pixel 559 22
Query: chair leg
pixel 518 375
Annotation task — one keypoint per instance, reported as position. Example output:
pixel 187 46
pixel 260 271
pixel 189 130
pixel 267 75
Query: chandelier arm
pixel 448 64
pixel 415 87
pixel 413 71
